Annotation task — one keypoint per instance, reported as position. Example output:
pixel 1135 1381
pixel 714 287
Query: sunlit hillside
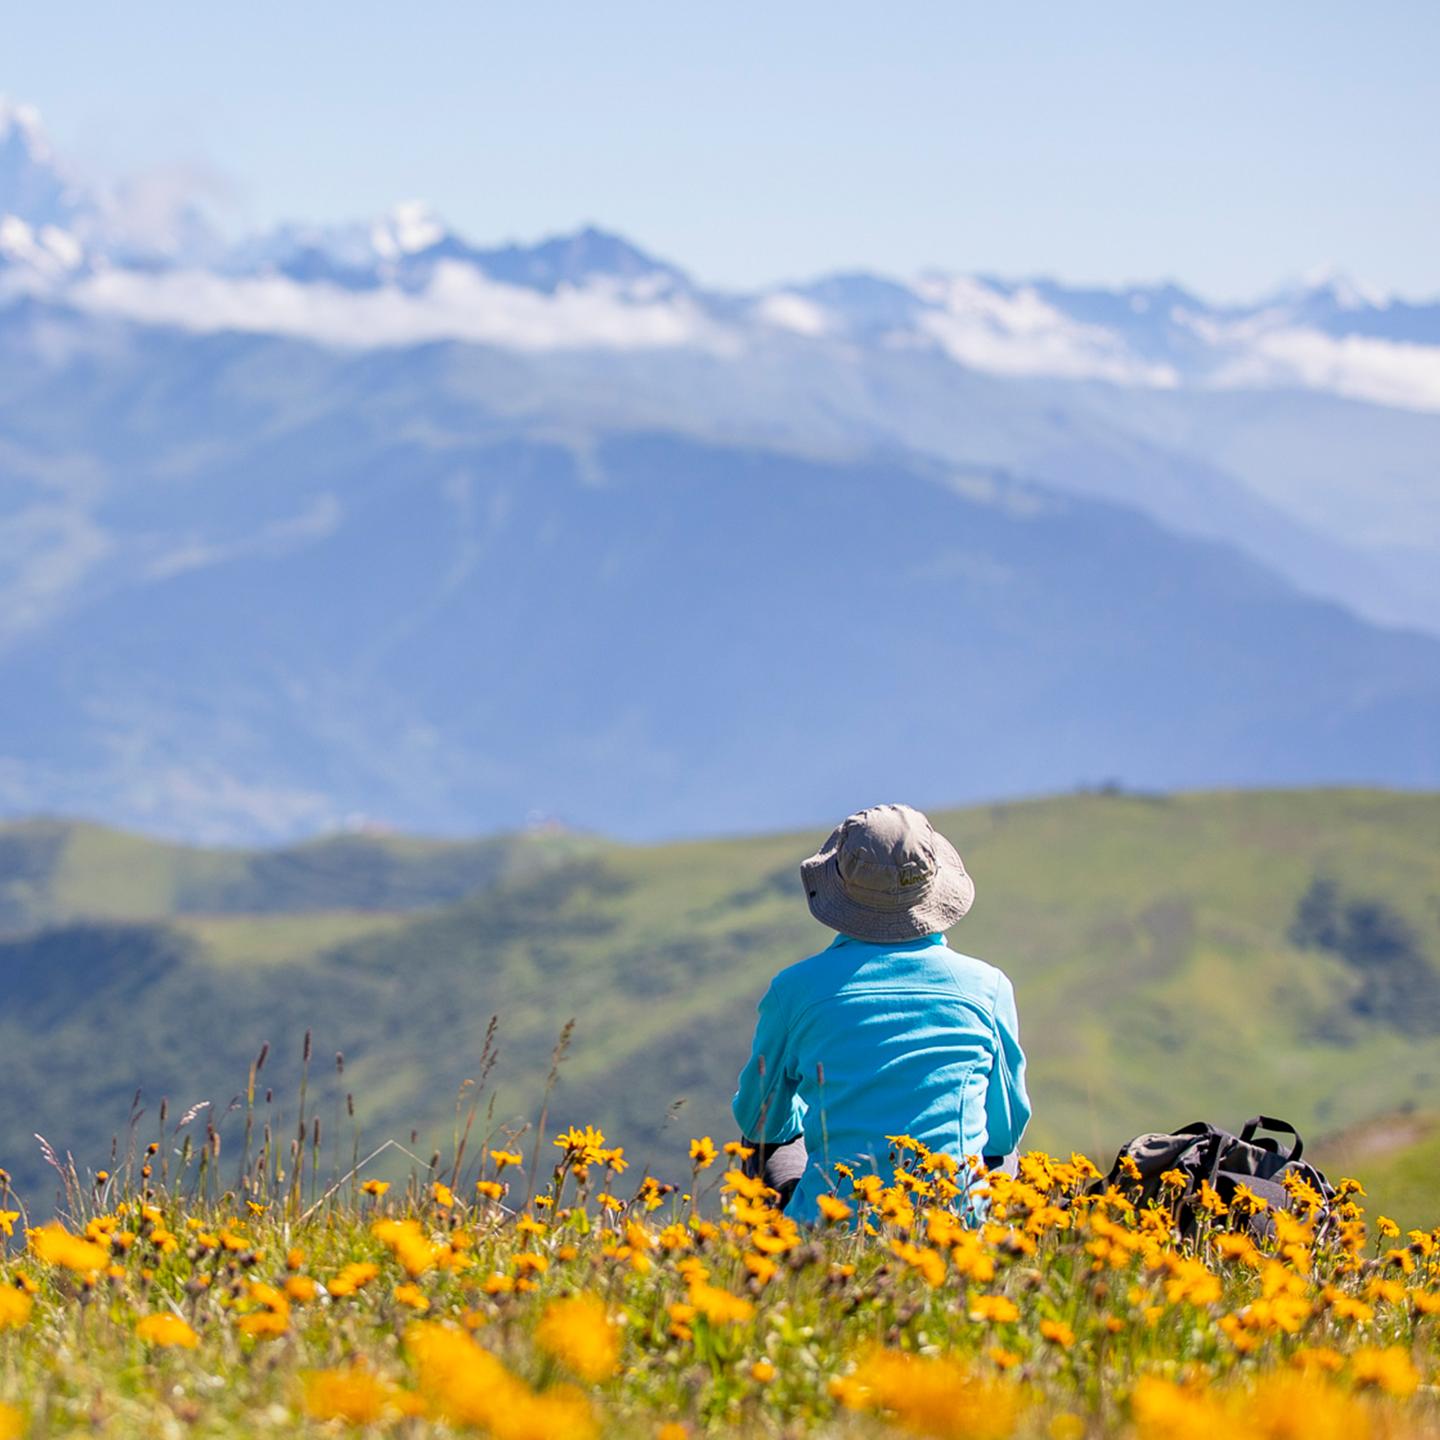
pixel 1155 942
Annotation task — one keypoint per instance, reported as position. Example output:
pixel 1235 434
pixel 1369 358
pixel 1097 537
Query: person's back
pixel 887 1031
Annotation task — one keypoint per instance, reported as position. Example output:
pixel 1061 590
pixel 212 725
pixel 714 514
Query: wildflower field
pixel 538 1289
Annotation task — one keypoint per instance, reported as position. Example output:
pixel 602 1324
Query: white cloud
pixel 459 304
pixel 1012 333
pixel 1384 372
pixel 1021 334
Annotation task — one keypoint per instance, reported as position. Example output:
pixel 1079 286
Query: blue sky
pixel 1229 145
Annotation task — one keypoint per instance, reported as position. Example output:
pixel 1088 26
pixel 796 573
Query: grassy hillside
pixel 1154 944
pixel 52 871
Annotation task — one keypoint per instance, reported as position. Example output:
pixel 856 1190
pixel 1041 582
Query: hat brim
pixel 947 898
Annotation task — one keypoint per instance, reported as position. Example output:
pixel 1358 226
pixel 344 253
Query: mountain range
pixel 368 524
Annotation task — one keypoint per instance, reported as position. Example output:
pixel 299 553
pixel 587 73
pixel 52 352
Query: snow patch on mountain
pixel 785 310
pixel 412 226
pixel 47 249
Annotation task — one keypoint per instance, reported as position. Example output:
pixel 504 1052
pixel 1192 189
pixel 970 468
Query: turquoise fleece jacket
pixel 911 1039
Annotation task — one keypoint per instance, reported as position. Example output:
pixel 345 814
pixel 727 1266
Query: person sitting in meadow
pixel 888 1031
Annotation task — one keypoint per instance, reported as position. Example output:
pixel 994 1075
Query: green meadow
pixel 1158 946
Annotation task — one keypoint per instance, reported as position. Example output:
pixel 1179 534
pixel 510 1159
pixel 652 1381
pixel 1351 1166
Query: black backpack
pixel 1205 1154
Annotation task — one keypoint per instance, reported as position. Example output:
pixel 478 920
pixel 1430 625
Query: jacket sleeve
pixel 766 1106
pixel 1007 1105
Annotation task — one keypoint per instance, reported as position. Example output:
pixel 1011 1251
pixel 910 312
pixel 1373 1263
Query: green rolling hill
pixel 1175 957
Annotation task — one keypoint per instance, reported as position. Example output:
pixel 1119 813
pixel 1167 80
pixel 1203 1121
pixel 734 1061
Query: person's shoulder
pixel 802 976
pixel 802 970
pixel 989 980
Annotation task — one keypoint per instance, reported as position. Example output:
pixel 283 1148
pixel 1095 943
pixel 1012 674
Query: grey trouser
pixel 781 1166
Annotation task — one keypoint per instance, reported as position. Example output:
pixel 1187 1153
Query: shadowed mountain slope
pixel 646 635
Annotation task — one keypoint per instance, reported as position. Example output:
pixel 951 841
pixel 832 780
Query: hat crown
pixel 887 875
pixel 886 855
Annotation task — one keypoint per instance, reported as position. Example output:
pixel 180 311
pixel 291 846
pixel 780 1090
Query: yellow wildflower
pixel 406 1240
pixel 1390 1370
pixel 1210 1201
pixel 1426 1302
pixel 271 1318
pixel 926 1260
pixel 997 1308
pixel 55 1245
pixel 587 1147
pixel 15 1307
pixel 580 1334
pixel 936 1396
pixel 1317 1357
pixel 762 1267
pixel 354 1395
pixel 1166 1411
pixel 468 1386
pixel 353 1277
pixel 1236 1247
pixel 166 1331
pixel 720 1306
pixel 1347 1307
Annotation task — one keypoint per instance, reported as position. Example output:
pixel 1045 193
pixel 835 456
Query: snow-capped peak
pixel 412 226
pixel 1342 290
pixel 20 124
pixel 33 186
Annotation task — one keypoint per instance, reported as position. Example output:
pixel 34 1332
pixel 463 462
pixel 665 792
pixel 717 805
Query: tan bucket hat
pixel 886 873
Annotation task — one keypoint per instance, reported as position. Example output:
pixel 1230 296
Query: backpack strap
pixel 1280 1127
